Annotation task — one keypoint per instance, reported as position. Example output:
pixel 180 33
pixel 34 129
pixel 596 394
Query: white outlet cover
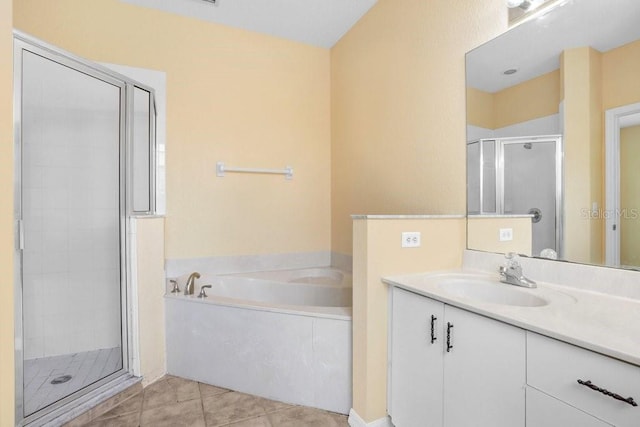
pixel 411 239
pixel 506 234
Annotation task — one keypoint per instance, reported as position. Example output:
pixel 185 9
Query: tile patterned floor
pixel 85 368
pixel 175 402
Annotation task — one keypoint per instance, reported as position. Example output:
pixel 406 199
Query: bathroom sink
pixel 491 292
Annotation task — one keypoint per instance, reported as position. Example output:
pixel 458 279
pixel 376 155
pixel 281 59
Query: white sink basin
pixel 491 292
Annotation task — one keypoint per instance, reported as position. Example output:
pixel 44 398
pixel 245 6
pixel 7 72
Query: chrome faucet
pixel 511 273
pixel 190 286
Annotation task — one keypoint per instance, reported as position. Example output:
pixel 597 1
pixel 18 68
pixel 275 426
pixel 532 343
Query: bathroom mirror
pixel 553 136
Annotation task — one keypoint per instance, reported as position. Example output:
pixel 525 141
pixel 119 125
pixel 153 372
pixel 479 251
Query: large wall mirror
pixel 553 136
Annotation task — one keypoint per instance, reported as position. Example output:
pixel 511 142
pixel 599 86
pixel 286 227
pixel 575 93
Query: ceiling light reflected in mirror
pixel 520 10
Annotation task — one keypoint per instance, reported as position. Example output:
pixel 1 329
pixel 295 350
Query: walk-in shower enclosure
pixel 519 176
pixel 84 144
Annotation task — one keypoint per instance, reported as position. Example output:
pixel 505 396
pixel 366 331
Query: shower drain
pixel 60 380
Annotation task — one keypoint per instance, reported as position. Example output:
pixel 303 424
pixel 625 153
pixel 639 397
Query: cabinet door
pixel 546 411
pixel 416 362
pixel 484 372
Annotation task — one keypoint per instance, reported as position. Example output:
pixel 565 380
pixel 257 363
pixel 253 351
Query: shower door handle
pixel 537 215
pixel 20 228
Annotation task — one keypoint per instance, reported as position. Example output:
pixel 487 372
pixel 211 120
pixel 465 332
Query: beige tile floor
pixel 174 402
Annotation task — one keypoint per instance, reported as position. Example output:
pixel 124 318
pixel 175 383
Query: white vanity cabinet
pixel 555 367
pixel 469 371
pixel 546 411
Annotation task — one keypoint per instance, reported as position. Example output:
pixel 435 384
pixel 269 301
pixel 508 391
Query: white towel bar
pixel 221 169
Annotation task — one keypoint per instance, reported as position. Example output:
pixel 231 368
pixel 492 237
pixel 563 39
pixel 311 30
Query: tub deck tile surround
pixel 173 401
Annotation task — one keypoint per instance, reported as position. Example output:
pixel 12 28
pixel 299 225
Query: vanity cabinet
pixel 546 411
pixel 450 367
pixel 555 367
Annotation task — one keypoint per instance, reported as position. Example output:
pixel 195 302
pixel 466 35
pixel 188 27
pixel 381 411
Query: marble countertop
pixel 493 216
pixel 605 324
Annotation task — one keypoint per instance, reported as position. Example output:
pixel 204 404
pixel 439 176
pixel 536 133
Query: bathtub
pixel 283 335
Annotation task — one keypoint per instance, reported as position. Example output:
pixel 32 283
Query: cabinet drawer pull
pixel 606 392
pixel 433 331
pixel 449 327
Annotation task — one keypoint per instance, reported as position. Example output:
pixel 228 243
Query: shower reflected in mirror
pixel 520 176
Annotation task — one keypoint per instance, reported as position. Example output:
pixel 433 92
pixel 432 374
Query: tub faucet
pixel 176 288
pixel 511 273
pixel 202 293
pixel 190 286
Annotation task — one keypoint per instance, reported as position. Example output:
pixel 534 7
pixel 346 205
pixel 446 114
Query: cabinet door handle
pixel 433 330
pixel 449 327
pixel 606 392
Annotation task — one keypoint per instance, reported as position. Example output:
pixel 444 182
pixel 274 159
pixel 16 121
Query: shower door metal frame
pixel 481 159
pixel 25 42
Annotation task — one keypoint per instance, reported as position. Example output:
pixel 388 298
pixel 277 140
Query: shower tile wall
pixel 70 272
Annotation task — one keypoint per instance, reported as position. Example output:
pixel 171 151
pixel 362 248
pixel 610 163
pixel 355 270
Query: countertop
pixel 354 217
pixel 492 216
pixel 599 322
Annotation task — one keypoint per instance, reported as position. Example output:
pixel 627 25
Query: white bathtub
pixel 283 335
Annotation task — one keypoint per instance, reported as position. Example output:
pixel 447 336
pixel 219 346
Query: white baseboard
pixel 356 421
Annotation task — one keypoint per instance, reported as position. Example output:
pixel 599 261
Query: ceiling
pixel 316 22
pixel 534 47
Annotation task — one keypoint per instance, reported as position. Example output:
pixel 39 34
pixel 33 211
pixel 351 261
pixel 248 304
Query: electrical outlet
pixel 411 239
pixel 506 234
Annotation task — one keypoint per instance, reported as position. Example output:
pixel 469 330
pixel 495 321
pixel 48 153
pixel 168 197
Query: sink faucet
pixel 511 273
pixel 190 286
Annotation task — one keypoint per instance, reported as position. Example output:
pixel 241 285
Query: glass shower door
pixel 530 187
pixel 71 211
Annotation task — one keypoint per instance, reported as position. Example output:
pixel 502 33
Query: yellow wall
pixel 620 71
pixel 377 253
pixel 7 401
pixel 533 99
pixel 583 153
pixel 151 289
pixel 483 233
pixel 398 109
pixel 480 108
pixel 596 149
pixel 247 99
pixel 630 196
